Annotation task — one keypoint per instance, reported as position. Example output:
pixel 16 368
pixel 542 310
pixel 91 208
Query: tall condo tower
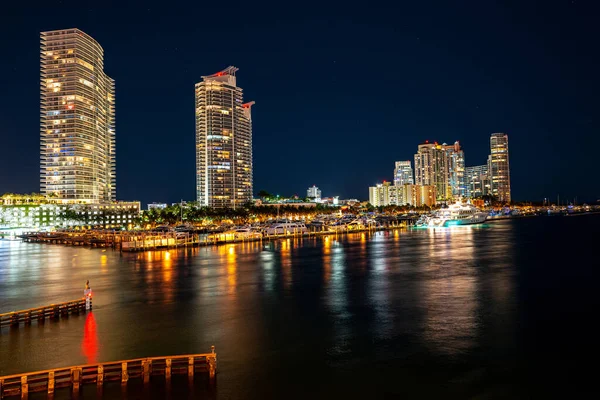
pixel 77 114
pixel 455 157
pixel 499 169
pixel 431 168
pixel 403 173
pixel 223 142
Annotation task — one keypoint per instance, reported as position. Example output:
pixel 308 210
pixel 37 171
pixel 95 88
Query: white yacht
pixel 457 214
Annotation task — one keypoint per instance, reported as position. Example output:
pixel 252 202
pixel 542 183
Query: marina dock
pixel 133 241
pixel 74 377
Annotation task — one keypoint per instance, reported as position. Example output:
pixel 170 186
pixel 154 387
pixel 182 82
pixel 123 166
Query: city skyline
pixel 321 113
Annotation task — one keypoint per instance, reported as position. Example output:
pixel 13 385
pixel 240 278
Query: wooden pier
pixel 53 311
pixel 121 371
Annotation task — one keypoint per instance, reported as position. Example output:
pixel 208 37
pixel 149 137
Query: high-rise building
pixel 420 195
pixel 223 142
pixel 77 127
pixel 384 194
pixel 456 169
pixel 431 168
pixel 314 193
pixel 403 173
pixel 499 167
pixel 477 181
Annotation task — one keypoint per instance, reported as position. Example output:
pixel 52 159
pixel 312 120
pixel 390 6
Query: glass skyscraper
pixel 403 173
pixel 77 126
pixel 223 142
pixel 455 158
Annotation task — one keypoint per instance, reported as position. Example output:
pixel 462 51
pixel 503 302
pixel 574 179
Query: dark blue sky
pixel 342 91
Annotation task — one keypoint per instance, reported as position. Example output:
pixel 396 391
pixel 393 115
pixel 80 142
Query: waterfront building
pixel 157 206
pixel 384 194
pixel 420 195
pixel 499 169
pixel 27 216
pixel 77 112
pixel 455 158
pixel 403 173
pixel 379 195
pixel 223 142
pixel 314 193
pixel 431 169
pixel 477 181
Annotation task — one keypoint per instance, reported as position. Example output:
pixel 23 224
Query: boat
pixel 457 214
pixel 286 228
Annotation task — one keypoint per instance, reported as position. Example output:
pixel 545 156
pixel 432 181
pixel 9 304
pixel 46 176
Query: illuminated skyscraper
pixel 223 142
pixel 477 181
pixel 431 168
pixel 403 173
pixel 455 158
pixel 499 169
pixel 77 126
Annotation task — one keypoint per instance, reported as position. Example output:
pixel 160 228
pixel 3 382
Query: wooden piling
pixel 168 368
pixel 50 382
pixel 100 376
pixel 124 374
pixel 191 366
pixel 24 387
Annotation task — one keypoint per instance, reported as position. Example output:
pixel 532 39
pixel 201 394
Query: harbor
pixel 165 237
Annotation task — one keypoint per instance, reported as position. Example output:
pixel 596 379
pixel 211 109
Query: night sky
pixel 341 91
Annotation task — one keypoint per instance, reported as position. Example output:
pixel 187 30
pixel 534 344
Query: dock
pixel 134 241
pixel 74 377
pixel 52 311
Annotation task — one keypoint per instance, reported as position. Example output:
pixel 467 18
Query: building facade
pixel 314 193
pixel 455 158
pixel 29 216
pixel 420 195
pixel 431 169
pixel 403 173
pixel 77 114
pixel 384 194
pixel 477 181
pixel 499 170
pixel 223 142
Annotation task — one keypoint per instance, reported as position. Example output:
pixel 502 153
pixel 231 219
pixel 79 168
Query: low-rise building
pixel 25 215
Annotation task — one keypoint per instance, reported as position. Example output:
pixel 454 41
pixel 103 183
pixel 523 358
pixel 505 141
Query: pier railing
pixel 122 371
pixel 41 313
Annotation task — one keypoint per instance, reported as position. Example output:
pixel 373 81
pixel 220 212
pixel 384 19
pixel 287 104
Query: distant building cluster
pixel 440 175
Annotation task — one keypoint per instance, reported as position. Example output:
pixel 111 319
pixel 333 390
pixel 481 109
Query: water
pixel 497 311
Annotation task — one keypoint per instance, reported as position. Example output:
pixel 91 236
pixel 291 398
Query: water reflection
pixel 450 291
pixel 311 303
pixel 89 344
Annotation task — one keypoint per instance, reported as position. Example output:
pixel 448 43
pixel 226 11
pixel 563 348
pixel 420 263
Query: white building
pixel 223 142
pixel 314 193
pixel 158 206
pixel 403 173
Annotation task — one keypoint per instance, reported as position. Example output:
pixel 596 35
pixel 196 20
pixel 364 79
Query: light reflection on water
pixel 394 297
